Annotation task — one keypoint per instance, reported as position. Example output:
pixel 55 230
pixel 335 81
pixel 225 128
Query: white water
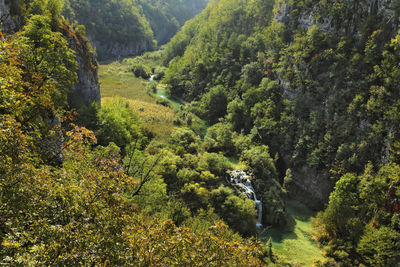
pixel 242 181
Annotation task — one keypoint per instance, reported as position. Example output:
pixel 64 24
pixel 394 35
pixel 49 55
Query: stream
pixel 163 94
pixel 242 182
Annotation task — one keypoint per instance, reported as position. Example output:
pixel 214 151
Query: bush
pixel 238 212
pixel 140 69
pixel 159 73
pixel 185 138
pixel 118 124
pixel 219 138
pixel 151 88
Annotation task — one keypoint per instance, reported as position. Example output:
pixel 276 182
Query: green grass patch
pixel 237 164
pixel 116 80
pixel 294 241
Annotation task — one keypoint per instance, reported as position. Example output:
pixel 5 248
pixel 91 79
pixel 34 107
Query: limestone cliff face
pixel 87 88
pixel 305 20
pixel 356 11
pixel 8 21
pixel 85 91
pixel 116 49
pixel 312 185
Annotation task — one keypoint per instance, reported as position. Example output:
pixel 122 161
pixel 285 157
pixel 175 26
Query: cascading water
pixel 241 180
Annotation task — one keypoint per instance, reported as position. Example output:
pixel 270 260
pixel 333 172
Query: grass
pixel 236 163
pixel 116 80
pixel 295 241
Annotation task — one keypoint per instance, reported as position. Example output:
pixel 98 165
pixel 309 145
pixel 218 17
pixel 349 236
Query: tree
pixel 219 138
pixel 379 247
pixel 50 64
pixel 215 103
pixel 119 124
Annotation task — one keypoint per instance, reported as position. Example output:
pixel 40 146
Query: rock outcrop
pixel 87 88
pixel 8 20
pixel 311 187
pixel 362 9
pixel 118 49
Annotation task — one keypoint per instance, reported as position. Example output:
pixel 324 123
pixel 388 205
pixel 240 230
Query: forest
pixel 121 28
pixel 261 133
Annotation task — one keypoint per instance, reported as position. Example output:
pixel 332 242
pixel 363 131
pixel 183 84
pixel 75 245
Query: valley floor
pixel 295 240
pixel 117 81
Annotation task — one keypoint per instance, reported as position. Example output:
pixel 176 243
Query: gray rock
pixel 311 187
pixel 7 20
pixel 87 88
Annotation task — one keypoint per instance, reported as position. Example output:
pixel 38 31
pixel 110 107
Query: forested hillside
pixel 120 28
pixel 318 83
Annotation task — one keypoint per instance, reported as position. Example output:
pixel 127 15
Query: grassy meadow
pixel 117 80
pixel 294 241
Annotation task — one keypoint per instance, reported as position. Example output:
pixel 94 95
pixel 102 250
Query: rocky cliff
pixel 8 20
pixel 330 16
pixel 347 18
pixel 87 88
pixel 122 49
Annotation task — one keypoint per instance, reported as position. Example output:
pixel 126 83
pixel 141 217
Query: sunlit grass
pixel 116 80
pixel 295 241
pixel 237 164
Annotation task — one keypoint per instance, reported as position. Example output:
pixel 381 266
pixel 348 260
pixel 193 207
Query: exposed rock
pixel 311 187
pixel 124 49
pixel 87 89
pixel 305 21
pixel 287 90
pixel 8 21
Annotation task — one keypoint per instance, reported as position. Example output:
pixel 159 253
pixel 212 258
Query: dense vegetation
pixel 70 198
pixel 298 93
pixel 130 27
pixel 318 83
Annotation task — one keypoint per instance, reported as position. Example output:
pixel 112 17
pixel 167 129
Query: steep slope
pixel 116 28
pixel 323 103
pixel 121 28
pixel 316 81
pixel 168 16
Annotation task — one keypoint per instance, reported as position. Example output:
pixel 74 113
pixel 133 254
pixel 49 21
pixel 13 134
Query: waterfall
pixel 242 181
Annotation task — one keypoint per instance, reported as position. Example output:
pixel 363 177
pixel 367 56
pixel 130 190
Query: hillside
pixel 317 82
pixel 120 28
